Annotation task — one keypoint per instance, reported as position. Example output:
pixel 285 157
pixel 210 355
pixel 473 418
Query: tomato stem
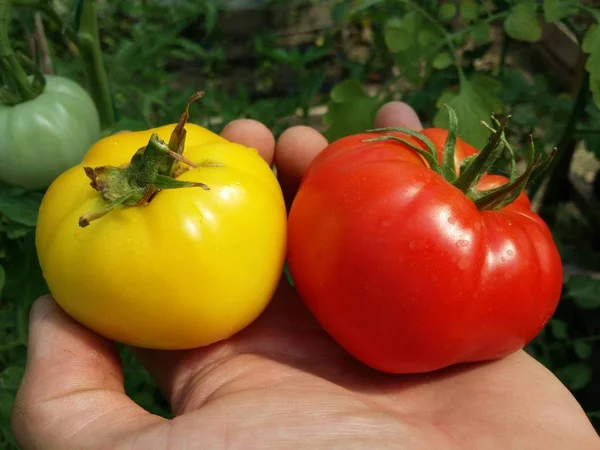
pixel 12 68
pixel 504 195
pixel 88 42
pixel 177 140
pixel 474 167
pixel 448 170
pixel 472 173
pixel 152 169
pixel 507 146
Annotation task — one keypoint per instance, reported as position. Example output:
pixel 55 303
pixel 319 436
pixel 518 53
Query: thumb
pixel 72 392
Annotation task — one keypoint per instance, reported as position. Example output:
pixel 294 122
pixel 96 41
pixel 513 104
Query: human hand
pixel 283 383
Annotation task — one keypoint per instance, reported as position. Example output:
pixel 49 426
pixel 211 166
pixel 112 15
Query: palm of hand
pixel 283 383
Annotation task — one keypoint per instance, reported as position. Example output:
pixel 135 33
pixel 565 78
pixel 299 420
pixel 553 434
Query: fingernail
pixel 42 308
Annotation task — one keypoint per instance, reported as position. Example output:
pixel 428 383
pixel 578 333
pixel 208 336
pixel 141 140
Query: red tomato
pixel 404 271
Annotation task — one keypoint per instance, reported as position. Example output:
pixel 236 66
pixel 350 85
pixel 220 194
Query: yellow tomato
pixel 189 268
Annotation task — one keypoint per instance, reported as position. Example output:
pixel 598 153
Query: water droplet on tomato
pixel 451 220
pixel 462 243
pixel 477 226
pixel 503 259
pixel 463 263
pixel 509 252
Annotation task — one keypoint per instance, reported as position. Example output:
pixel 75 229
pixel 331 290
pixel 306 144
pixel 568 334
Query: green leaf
pixel 288 274
pixel 523 24
pixel 591 45
pixel 481 32
pixel 524 114
pixel 144 399
pixel 582 349
pixel 24 279
pixel 397 35
pixel 575 376
pixel 15 230
pixel 427 36
pixel 2 279
pixel 592 140
pixel 350 110
pixel 442 60
pixel 558 328
pixel 555 10
pixel 212 14
pixel 19 206
pixel 476 100
pixel 341 11
pixel 591 40
pixel 447 11
pixel 584 290
pixel 469 10
pixel 10 378
pixel 410 60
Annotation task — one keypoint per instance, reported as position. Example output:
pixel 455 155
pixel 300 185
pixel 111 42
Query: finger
pixel 296 148
pixel 251 133
pixel 397 114
pixel 72 393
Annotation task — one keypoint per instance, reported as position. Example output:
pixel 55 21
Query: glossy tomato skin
pixel 45 136
pixel 403 270
pixel 191 268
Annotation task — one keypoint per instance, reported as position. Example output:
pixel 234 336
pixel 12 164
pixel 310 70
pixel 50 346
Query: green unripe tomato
pixel 43 137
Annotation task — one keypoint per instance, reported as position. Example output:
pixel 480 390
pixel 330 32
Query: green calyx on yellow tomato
pixel 474 167
pixel 151 169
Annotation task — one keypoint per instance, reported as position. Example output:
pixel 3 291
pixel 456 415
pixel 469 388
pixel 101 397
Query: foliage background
pixel 331 64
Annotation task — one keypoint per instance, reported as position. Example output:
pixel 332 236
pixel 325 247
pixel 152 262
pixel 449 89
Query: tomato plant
pixel 167 250
pixel 414 258
pixel 46 135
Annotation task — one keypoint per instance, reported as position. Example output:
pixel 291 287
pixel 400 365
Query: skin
pixel 282 383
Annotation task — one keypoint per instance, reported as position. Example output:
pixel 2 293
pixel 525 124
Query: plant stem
pixel 12 345
pixel 10 63
pixel 50 14
pixel 503 54
pixel 591 11
pixel 594 338
pixel 558 187
pixel 487 20
pixel 93 64
pixel 40 33
pixel 586 131
pixel 448 38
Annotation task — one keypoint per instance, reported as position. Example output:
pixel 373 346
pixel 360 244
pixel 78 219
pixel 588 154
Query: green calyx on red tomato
pixel 413 257
pixel 475 166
